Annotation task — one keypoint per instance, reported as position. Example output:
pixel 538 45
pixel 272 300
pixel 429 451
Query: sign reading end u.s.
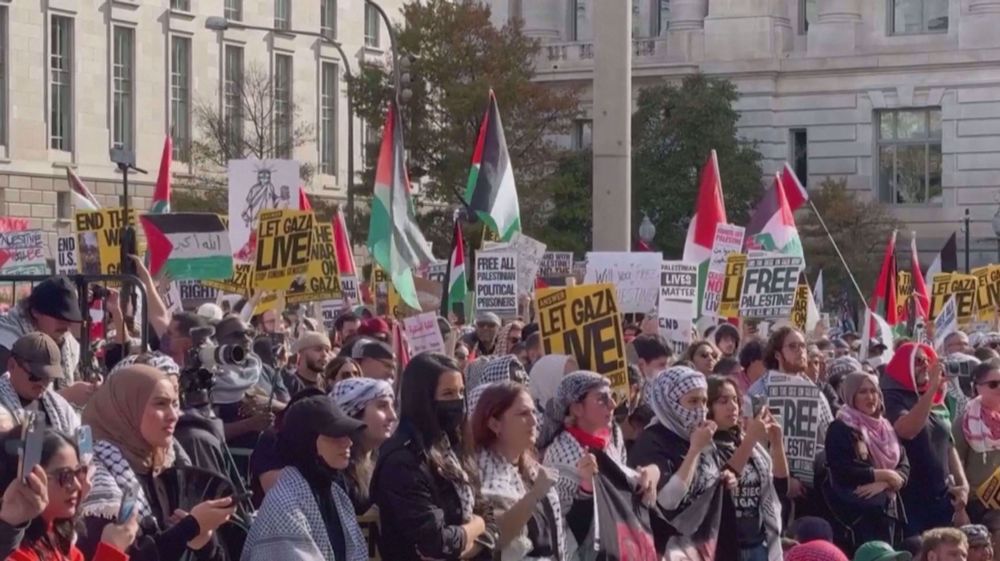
pixel 769 284
pixel 284 238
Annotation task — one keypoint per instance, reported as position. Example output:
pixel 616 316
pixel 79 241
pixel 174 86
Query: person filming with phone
pixel 32 366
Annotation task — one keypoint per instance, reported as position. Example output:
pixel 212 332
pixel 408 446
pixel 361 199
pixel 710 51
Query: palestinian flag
pixel 456 285
pixel 946 261
pixel 491 192
pixel 345 259
pixel 304 203
pixel 83 199
pixel 394 239
pixel 188 246
pixel 772 227
pixel 883 302
pixel 161 194
pixel 709 212
pixel 921 295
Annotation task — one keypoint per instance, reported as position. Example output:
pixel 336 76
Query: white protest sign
pixel 423 334
pixel 636 277
pixel 800 408
pixel 66 256
pixel 437 272
pixel 728 239
pixel 556 264
pixel 23 253
pixel 172 298
pixel 769 285
pixel 496 283
pixel 195 293
pixel 946 322
pixel 330 309
pixel 677 302
pixel 256 186
pixel 349 288
pixel 529 255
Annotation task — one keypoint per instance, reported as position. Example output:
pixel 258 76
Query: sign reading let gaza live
pixel 283 240
pixel 769 285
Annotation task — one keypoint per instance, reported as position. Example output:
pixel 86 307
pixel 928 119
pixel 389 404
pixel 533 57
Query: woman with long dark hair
pixel 424 482
pixel 372 402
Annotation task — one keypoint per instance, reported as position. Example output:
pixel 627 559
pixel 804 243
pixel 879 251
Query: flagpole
pixel 839 254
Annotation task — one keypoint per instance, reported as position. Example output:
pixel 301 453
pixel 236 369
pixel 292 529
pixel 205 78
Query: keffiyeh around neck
pixel 354 394
pixel 981 427
pixel 664 394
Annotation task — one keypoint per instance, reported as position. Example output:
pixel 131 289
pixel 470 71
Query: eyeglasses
pixel 32 377
pixel 991 384
pixel 67 476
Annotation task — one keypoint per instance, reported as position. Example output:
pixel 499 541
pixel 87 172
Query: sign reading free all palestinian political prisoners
pixel 496 283
pixel 678 299
pixel 585 322
pixel 769 285
pixel 284 238
pixel 802 411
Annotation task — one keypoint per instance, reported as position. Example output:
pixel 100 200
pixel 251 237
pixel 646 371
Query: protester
pixel 957 342
pixel 653 354
pixel 507 338
pixel 944 544
pixel 313 352
pixel 483 341
pixel 179 337
pixel 423 482
pixel 913 387
pixel 728 367
pixel 461 355
pixel 50 536
pixel 816 366
pixel 727 340
pixel 33 364
pixel 338 369
pixel 267 461
pixel 702 356
pixel 133 416
pixel 306 516
pixel 751 359
pixel 815 551
pixel 268 322
pixel 22 501
pixel 372 403
pixel 880 551
pixel 375 359
pixel 346 326
pixel 763 479
pixel 533 347
pixel 976 432
pixel 867 467
pixel 520 490
pixel 241 396
pixel 980 545
pixel 504 368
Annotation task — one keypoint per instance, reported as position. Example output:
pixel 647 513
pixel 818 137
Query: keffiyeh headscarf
pixel 664 394
pixel 157 360
pixel 475 369
pixel 876 431
pixel 842 366
pixel 354 394
pixel 502 369
pixel 572 388
pixel 503 338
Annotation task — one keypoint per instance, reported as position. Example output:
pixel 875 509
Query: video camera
pixel 197 377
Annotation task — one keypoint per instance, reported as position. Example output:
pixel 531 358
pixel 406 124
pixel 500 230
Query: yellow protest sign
pixel 321 281
pixel 729 306
pixel 99 239
pixel 989 491
pixel 800 307
pixel 381 286
pixel 283 248
pixel 963 288
pixel 584 322
pixel 987 292
pixel 940 291
pixel 904 289
pixel 240 283
pixel 270 301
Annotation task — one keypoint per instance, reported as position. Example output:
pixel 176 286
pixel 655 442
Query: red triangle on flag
pixel 304 199
pixel 159 245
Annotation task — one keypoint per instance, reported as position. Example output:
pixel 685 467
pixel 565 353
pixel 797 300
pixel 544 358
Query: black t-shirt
pixel 542 531
pixel 746 500
pixel 928 451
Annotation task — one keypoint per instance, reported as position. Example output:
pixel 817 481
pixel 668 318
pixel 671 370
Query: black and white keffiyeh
pixel 157 360
pixel 289 525
pixel 112 474
pixel 61 415
pixel 664 394
pixel 564 453
pixel 502 369
pixel 572 388
pixel 474 371
pixel 354 394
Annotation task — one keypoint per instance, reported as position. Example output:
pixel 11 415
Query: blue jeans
pixel 758 553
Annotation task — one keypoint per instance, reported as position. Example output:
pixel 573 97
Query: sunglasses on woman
pixel 67 477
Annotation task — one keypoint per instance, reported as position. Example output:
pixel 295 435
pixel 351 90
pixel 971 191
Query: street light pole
pixel 393 45
pixel 222 24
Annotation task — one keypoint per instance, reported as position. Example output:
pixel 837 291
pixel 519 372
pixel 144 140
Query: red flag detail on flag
pixel 883 302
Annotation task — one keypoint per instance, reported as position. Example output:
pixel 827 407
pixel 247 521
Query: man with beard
pixel 314 351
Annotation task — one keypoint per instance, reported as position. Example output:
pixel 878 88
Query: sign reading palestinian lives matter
pixel 67 262
pixel 529 254
pixel 585 322
pixel 321 281
pixel 678 301
pixel 423 334
pixel 940 291
pixel 99 239
pixel 946 322
pixel 797 404
pixel 188 245
pixel 636 277
pixel 256 186
pixel 729 305
pixel 769 285
pixel 728 239
pixel 496 283
pixel 284 238
pixel 987 292
pixel 23 253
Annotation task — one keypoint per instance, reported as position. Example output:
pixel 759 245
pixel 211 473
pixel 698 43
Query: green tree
pixel 673 131
pixel 457 56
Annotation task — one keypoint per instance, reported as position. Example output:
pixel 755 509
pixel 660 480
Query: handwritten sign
pixel 284 238
pixel 636 277
pixel 946 322
pixel 423 334
pixel 556 265
pixel 678 301
pixel 728 240
pixel 23 253
pixel 496 283
pixel 769 285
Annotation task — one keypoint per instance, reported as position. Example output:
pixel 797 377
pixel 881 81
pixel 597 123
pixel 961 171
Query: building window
pixel 182 5
pixel 3 75
pixel 283 106
pixel 918 16
pixel 124 68
pixel 574 19
pixel 808 13
pixel 233 10
pixel 282 14
pixel 800 154
pixel 61 83
pixel 180 96
pixel 659 15
pixel 909 156
pixel 233 99
pixel 582 134
pixel 328 119
pixel 328 18
pixel 372 27
pixel 64 206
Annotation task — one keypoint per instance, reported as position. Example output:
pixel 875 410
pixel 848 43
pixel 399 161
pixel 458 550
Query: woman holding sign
pixel 977 434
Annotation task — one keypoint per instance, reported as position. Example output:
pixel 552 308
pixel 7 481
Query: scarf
pixel 981 427
pixel 598 440
pixel 572 388
pixel 664 394
pixel 289 525
pixel 770 505
pixel 563 455
pixel 112 474
pixel 474 371
pixel 354 394
pixel 876 431
pixel 17 323
pixel 901 369
pixel 463 488
pixel 502 341
pixel 504 368
pixel 60 414
pixel 115 413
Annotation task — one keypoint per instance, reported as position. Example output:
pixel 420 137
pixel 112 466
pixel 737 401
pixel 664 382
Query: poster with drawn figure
pixel 255 186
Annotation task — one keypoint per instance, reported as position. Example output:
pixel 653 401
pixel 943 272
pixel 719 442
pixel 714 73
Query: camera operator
pixel 177 342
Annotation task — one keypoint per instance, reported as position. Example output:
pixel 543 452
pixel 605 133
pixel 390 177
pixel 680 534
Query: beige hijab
pixel 115 413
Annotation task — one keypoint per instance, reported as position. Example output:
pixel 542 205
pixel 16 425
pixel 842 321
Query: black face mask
pixel 450 413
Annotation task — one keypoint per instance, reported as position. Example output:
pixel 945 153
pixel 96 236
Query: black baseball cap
pixel 320 413
pixel 39 354
pixel 371 348
pixel 56 297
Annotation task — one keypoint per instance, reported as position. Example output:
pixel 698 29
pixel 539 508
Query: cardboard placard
pixel 529 254
pixel 940 290
pixel 946 322
pixel 585 322
pixel 556 264
pixel 769 285
pixel 729 305
pixel 423 334
pixel 496 283
pixel 99 239
pixel 67 260
pixel 728 240
pixel 284 240
pixel 636 277
pixel 321 281
pixel 256 186
pixel 678 302
pixel 23 253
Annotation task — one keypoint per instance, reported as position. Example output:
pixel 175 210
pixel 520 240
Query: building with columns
pixel 78 77
pixel 899 97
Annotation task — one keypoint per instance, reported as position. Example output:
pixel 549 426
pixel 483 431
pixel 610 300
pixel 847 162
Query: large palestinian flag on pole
pixel 709 212
pixel 456 286
pixel 188 245
pixel 777 231
pixel 490 191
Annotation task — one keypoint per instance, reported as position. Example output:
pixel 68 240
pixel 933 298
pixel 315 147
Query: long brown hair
pixel 493 403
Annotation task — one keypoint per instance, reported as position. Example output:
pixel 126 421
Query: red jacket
pixel 104 553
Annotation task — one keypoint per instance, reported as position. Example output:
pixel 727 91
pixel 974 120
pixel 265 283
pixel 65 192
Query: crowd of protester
pixel 265 437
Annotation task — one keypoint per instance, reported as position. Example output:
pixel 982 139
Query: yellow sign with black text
pixel 987 292
pixel 940 291
pixel 800 307
pixel 99 239
pixel 729 306
pixel 963 287
pixel 904 289
pixel 284 238
pixel 321 281
pixel 989 491
pixel 240 283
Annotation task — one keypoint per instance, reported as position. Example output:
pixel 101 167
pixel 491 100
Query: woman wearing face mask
pixel 133 416
pixel 977 431
pixel 424 485
pixel 702 355
pixel 371 402
pixel 751 511
pixel 50 536
pixel 306 516
pixel 867 466
pixel 519 489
